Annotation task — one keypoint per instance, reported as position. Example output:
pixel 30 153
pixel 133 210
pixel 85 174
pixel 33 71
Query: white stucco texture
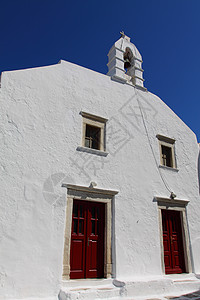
pixel 41 128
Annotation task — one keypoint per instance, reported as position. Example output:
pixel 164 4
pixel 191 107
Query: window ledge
pixel 168 168
pixel 92 151
pixel 169 200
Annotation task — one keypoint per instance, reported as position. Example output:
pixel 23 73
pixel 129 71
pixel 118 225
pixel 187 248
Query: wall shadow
pixel 198 168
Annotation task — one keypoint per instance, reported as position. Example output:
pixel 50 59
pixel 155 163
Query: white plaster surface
pixel 40 132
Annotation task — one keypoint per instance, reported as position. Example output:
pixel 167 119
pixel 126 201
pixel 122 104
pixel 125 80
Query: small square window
pixel 92 137
pixel 166 156
pixel 167 151
pixel 93 131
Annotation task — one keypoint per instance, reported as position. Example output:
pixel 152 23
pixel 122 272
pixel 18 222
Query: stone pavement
pixel 193 296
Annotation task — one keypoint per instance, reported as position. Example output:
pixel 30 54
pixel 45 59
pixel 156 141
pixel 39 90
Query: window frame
pixel 170 143
pixel 98 122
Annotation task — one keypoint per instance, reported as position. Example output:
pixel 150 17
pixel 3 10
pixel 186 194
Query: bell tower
pixel 125 63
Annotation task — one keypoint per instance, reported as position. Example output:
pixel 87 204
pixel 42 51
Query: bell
pixel 127 63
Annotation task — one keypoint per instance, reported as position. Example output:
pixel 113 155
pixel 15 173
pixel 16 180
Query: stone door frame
pixel 88 194
pixel 177 205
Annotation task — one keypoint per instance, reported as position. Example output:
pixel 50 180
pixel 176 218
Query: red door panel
pixel 87 240
pixel 77 258
pixel 172 242
pixel 95 249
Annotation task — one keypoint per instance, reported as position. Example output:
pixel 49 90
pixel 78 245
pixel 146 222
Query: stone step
pixel 86 282
pixel 168 285
pixel 90 293
pixel 88 289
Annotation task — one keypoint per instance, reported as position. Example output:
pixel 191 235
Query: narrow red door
pixel 87 240
pixel 78 240
pixel 95 241
pixel 172 242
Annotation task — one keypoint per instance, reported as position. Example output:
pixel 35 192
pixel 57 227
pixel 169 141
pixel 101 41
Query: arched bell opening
pixel 128 59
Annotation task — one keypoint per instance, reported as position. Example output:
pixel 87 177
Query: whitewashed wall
pixel 41 127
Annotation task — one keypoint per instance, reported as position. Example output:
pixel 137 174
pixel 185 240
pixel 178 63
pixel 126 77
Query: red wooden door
pixel 172 242
pixel 87 240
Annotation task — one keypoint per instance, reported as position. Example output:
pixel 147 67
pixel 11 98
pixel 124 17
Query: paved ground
pixel 194 296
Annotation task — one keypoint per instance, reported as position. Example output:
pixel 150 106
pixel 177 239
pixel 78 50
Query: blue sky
pixel 167 33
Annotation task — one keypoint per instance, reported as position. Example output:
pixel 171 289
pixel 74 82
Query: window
pixel 166 156
pixel 167 153
pixel 93 131
pixel 92 137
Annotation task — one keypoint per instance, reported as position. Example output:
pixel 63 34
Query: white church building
pixel 99 189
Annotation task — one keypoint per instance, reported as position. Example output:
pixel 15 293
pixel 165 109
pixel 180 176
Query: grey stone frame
pixel 96 121
pixel 96 195
pixel 178 205
pixel 170 143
